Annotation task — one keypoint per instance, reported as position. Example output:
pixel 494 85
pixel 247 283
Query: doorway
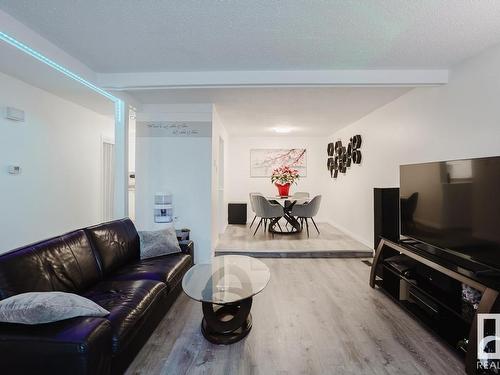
pixel 107 179
pixel 220 188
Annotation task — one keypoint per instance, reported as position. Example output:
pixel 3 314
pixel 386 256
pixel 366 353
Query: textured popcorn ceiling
pixel 185 35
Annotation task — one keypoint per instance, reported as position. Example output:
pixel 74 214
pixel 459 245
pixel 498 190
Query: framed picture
pixel 264 160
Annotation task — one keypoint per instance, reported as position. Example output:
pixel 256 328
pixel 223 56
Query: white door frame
pixel 102 190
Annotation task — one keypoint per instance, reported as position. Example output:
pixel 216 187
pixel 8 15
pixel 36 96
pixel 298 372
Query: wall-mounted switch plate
pixel 14 169
pixel 14 114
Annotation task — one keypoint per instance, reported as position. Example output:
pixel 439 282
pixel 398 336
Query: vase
pixel 283 190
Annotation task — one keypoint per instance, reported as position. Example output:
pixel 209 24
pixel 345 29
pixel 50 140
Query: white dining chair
pixel 252 206
pixel 266 211
pixel 307 211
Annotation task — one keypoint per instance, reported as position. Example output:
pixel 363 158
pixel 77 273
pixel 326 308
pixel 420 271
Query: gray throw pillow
pixel 159 242
pixel 47 307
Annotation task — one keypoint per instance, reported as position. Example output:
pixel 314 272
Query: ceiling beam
pixel 24 34
pixel 151 80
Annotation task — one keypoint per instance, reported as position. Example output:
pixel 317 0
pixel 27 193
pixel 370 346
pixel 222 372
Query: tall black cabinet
pixel 385 214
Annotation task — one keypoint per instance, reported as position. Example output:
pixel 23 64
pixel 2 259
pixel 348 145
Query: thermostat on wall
pixel 14 114
pixel 14 169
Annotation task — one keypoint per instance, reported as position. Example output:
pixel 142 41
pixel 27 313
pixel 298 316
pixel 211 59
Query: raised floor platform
pixel 330 243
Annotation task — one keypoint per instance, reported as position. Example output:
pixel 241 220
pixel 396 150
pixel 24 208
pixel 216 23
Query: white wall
pixel 459 120
pixel 59 151
pixel 220 141
pixel 239 183
pixel 181 166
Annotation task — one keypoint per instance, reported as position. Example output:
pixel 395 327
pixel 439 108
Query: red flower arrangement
pixel 284 175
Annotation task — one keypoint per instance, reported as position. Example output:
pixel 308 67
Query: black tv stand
pixel 487 273
pixel 431 290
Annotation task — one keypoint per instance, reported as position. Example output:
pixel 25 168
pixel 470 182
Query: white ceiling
pixel 262 36
pixel 255 111
pixel 190 35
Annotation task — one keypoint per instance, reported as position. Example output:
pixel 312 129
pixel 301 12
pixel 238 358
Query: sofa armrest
pixel 78 346
pixel 182 234
pixel 187 247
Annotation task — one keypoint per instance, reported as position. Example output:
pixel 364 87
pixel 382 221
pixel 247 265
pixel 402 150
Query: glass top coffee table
pixel 225 288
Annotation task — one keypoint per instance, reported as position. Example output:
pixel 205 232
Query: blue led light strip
pixel 119 106
pixel 23 47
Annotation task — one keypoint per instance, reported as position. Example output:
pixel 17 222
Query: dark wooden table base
pixel 226 324
pixel 295 225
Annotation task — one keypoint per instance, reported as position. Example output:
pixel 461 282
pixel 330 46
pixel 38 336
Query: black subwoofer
pixel 237 213
pixel 385 214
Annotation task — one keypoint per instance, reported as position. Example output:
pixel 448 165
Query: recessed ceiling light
pixel 282 130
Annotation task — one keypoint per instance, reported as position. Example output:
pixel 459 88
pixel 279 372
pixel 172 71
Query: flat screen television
pixel 454 206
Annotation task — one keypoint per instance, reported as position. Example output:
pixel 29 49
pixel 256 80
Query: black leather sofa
pixel 101 263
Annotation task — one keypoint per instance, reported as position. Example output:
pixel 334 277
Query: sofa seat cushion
pixel 129 304
pixel 74 346
pixel 167 268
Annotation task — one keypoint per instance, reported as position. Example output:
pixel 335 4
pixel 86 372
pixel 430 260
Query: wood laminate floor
pixel 330 242
pixel 316 316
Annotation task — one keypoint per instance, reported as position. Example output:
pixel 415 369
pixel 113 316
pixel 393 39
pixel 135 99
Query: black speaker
pixel 385 214
pixel 237 213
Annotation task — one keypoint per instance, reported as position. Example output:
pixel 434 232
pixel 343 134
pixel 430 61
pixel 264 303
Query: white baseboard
pixel 353 235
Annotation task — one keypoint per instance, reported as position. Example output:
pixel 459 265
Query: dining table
pixel 287 202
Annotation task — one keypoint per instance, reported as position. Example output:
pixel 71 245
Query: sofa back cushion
pixel 66 263
pixel 116 243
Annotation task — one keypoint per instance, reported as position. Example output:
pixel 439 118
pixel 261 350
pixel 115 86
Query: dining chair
pixel 307 211
pixel 266 211
pixel 252 206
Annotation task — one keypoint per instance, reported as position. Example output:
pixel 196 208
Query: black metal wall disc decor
pixel 341 157
pixel 356 157
pixel 356 141
pixel 329 165
pixel 330 149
